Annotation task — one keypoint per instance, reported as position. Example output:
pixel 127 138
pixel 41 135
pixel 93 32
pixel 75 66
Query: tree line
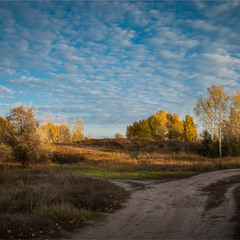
pixel 162 125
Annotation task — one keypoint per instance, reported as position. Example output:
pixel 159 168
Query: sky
pixel 115 62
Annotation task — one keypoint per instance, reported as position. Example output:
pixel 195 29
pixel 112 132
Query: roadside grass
pixel 40 203
pixel 134 174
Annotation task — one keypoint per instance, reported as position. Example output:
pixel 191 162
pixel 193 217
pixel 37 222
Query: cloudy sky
pixel 112 63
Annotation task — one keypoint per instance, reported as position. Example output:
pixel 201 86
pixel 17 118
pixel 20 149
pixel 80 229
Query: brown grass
pixel 107 153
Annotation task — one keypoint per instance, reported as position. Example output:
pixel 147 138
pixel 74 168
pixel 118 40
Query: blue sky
pixel 115 62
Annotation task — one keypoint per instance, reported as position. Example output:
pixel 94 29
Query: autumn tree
pixel 90 135
pixel 118 136
pixel 160 125
pixel 65 134
pixel 78 130
pixel 23 117
pixel 6 152
pixel 174 127
pixel 231 131
pixel 213 112
pixel 57 133
pixel 157 124
pixel 132 130
pixel 4 123
pixel 234 117
pixel 144 130
pixel 24 138
pixel 190 131
pixel 53 131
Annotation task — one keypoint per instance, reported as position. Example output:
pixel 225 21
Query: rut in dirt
pixel 168 210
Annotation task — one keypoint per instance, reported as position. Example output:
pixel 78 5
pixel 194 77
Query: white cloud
pixel 222 60
pixel 5 92
pixel 29 82
pixel 203 25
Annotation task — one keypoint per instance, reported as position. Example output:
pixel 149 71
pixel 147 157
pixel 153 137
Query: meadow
pixel 123 158
pixel 72 189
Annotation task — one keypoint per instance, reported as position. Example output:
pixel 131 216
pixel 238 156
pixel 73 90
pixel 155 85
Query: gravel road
pixel 168 210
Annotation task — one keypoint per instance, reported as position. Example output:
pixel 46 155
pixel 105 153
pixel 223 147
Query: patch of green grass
pixel 134 174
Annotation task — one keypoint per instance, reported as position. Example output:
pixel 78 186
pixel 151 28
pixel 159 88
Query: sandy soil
pixel 168 210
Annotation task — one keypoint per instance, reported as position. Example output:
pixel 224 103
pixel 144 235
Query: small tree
pixel 23 138
pixel 118 136
pixel 78 130
pixel 90 135
pixel 65 134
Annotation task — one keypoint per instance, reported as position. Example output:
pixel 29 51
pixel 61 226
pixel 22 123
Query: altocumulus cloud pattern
pixel 112 62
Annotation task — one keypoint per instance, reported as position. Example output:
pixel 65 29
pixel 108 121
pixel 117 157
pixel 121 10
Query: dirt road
pixel 168 210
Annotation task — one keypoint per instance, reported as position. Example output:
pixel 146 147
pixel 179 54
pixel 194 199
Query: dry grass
pixel 39 202
pixel 76 153
pixel 109 155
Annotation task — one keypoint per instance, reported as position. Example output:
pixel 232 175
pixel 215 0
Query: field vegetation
pixel 43 202
pixel 123 155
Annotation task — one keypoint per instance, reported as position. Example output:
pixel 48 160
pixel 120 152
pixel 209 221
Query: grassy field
pixel 118 158
pixel 44 202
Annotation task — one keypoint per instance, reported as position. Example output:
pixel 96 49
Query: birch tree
pixel 213 112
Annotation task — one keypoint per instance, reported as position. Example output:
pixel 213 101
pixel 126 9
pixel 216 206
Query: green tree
pixel 213 112
pixel 190 131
